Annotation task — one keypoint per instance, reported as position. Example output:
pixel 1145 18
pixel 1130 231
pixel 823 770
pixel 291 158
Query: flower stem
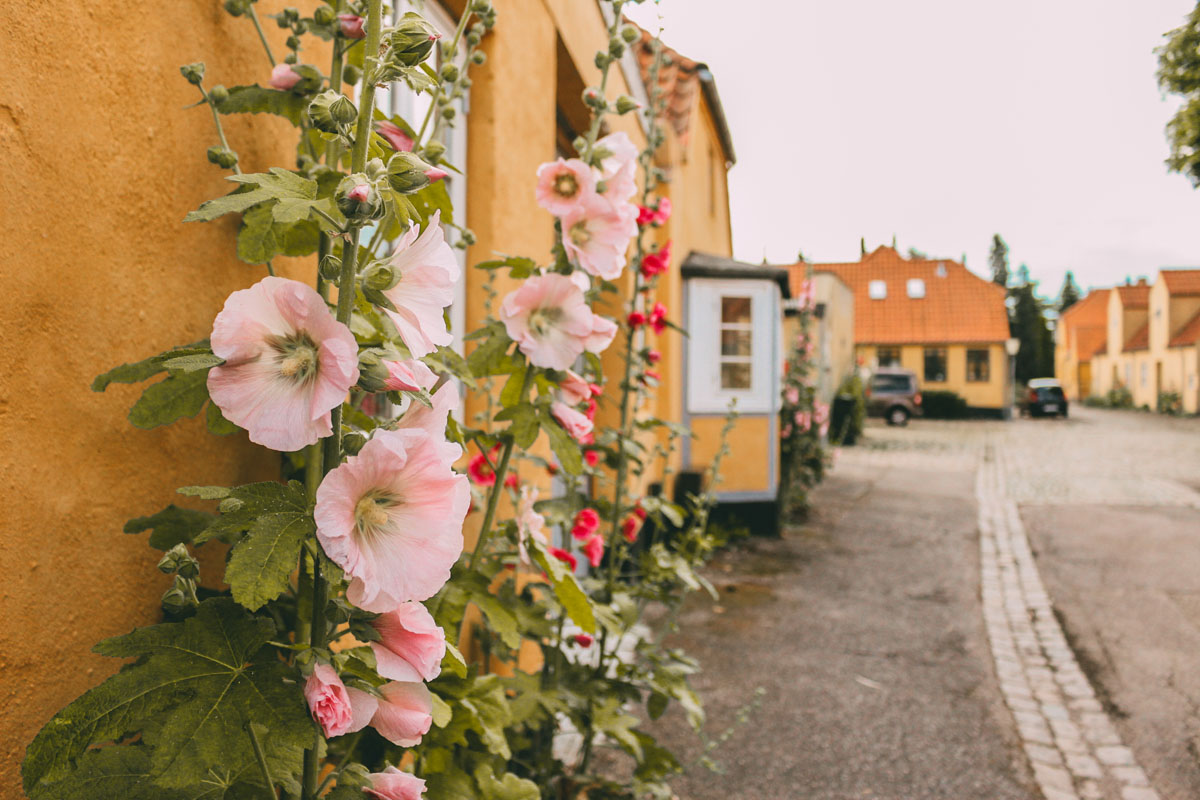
pixel 261 757
pixel 262 37
pixel 217 121
pixel 458 32
pixel 501 470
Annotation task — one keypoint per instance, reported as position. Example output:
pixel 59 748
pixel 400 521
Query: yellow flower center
pixel 565 184
pixel 579 234
pixel 543 319
pixel 371 513
pixel 296 357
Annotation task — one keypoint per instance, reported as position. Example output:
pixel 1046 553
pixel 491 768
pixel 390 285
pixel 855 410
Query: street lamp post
pixel 1012 346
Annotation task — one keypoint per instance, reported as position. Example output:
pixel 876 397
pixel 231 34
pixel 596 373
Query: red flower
pixel 596 389
pixel 639 512
pixel 630 527
pixel 593 548
pixel 658 318
pixel 645 215
pixel 657 262
pixel 651 374
pixel 592 457
pixel 583 640
pixel 655 216
pixel 480 472
pixel 565 557
pixel 552 469
pixel 511 480
pixel 586 523
pixel 590 411
pixel 636 319
pixel 653 356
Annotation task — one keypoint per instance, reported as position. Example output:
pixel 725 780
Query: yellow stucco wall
pixel 978 394
pixel 102 161
pixel 747 466
pixel 833 335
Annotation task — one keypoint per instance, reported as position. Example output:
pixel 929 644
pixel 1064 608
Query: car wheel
pixel 897 416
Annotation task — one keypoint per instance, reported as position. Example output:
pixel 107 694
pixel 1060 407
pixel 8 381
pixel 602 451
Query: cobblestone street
pixel 975 610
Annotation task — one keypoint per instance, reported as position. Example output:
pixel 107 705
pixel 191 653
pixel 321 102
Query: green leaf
pixel 568 591
pixel 263 235
pixel 217 423
pixel 485 358
pixel 171 526
pixel 448 362
pixel 510 788
pixel 178 395
pixel 138 371
pixel 262 562
pixel 257 100
pixel 433 199
pixel 656 706
pixel 523 424
pixel 110 772
pixel 193 362
pixel 277 184
pixel 568 451
pixel 515 390
pixel 442 713
pixel 453 662
pixel 192 690
pixel 500 617
pixel 205 492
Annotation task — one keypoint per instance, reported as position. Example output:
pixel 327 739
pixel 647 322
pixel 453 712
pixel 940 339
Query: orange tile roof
pixel 1189 334
pixel 1135 296
pixel 1140 339
pixel 1182 282
pixel 958 305
pixel 1090 340
pixel 1086 324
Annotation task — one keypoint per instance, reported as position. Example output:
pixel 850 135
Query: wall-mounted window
pixel 733 347
pixel 978 365
pixel 935 364
pixel 887 356
pixel 877 290
pixel 916 288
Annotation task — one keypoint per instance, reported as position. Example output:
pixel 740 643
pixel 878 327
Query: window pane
pixel 888 383
pixel 888 356
pixel 735 376
pixel 978 366
pixel 935 364
pixel 735 343
pixel 735 309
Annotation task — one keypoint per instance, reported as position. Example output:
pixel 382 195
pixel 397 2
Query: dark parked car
pixel 1046 398
pixel 894 394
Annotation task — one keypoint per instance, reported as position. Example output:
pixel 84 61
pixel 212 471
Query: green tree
pixel 1179 73
pixel 998 260
pixel 1070 294
pixel 1027 322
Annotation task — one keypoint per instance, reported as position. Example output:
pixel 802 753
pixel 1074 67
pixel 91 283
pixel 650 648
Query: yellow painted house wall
pixel 988 394
pixel 746 468
pixel 833 334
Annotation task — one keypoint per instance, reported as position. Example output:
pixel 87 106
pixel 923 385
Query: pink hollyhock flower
pixel 650 375
pixel 596 235
pixel 394 134
pixel 328 701
pixel 564 185
pixel 639 512
pixel 574 389
pixel 803 420
pixel 436 173
pixel 394 784
pixel 408 376
pixel 593 548
pixel 658 318
pixel 530 524
pixel 577 424
pixel 592 457
pixel 787 431
pixel 586 522
pixel 404 714
pixel 564 556
pixel 351 26
pixel 630 527
pixel 428 273
pixel 431 420
pixel 288 363
pixel 551 322
pixel 584 639
pixel 360 192
pixel 410 646
pixel 645 215
pixel 618 170
pixel 590 410
pixel 283 77
pixel 792 395
pixel 663 212
pixel 392 516
pixel 657 262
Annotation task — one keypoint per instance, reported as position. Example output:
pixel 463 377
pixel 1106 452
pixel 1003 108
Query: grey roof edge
pixel 709 85
pixel 707 265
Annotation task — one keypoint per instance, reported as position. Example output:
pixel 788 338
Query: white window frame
pixel 705 395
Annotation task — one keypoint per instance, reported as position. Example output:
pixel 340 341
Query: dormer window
pixel 877 290
pixel 941 269
pixel 916 288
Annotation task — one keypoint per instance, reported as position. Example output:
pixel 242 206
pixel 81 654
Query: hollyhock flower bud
pixel 592 457
pixel 593 548
pixel 194 73
pixel 410 646
pixel 436 173
pixel 372 372
pixel 324 15
pixel 576 424
pixel 283 77
pixel 328 701
pixel 551 322
pixel 218 94
pixel 408 173
pixel 590 409
pixel 237 8
pixel 564 185
pixel 564 556
pixel 657 262
pixel 288 362
pixel 586 522
pixel 625 104
pixel 411 41
pixel 630 34
pixel 358 199
pixel 351 26
pixel 394 784
pixel 584 640
pixel 394 135
pixel 409 376
pixel 222 157
pixel 331 111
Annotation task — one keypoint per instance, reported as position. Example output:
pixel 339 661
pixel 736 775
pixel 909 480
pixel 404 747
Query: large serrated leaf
pixel 568 451
pixel 138 371
pixel 567 589
pixel 261 563
pixel 110 772
pixel 179 395
pixel 171 526
pixel 277 184
pixel 257 100
pixel 192 690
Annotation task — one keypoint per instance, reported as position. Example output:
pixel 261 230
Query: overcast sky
pixel 943 122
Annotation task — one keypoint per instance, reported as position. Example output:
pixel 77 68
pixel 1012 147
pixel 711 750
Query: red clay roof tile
pixel 1135 296
pixel 1189 334
pixel 1140 339
pixel 1182 282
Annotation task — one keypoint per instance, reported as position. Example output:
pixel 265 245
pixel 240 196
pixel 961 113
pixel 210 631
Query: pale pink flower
pixel 792 395
pixel 288 363
pixel 351 26
pixel 574 389
pixel 432 420
pixel 596 234
pixel 428 272
pixel 408 376
pixel 392 516
pixel 404 714
pixel 530 524
pixel 551 322
pixel 394 784
pixel 328 701
pixel 803 420
pixel 787 431
pixel 283 77
pixel 576 422
pixel 564 185
pixel 394 134
pixel 619 169
pixel 411 645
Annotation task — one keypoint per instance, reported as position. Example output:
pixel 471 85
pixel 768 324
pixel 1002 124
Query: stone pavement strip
pixel 1072 744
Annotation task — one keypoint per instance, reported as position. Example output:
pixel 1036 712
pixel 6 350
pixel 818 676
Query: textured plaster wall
pixel 101 163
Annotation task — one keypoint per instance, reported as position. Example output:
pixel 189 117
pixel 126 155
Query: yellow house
pixel 128 279
pixel 831 328
pixel 1120 365
pixel 932 316
pixel 1080 334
